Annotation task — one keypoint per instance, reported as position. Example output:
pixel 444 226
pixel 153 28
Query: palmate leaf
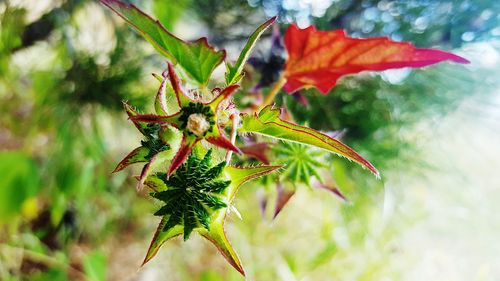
pixel 191 198
pixel 203 207
pixel 319 58
pixel 234 72
pixel 198 59
pixel 268 123
pixel 302 162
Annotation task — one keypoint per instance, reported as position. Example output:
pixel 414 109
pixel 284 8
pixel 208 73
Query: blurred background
pixel 434 133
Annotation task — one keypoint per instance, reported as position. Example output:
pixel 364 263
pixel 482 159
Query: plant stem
pixel 273 92
pixel 235 118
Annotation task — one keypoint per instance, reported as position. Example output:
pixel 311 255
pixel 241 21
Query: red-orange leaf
pixel 319 58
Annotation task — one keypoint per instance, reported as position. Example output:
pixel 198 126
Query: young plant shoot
pixel 183 170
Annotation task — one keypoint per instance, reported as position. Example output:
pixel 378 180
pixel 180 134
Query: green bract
pixel 193 194
pixel 158 147
pixel 197 197
pixel 195 120
pixel 267 122
pixel 303 165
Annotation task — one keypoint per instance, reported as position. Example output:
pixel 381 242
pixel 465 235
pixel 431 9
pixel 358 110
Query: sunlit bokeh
pixel 434 133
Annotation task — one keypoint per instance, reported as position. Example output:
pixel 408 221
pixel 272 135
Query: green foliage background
pixel 66 66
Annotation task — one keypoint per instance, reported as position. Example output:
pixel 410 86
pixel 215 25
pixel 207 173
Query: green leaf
pixel 137 155
pixel 155 183
pixel 189 199
pixel 239 176
pixel 216 233
pixel 169 12
pixel 215 171
pixel 161 237
pixel 198 59
pixel 268 123
pixel 218 237
pixel 196 198
pixel 212 201
pixel 234 73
